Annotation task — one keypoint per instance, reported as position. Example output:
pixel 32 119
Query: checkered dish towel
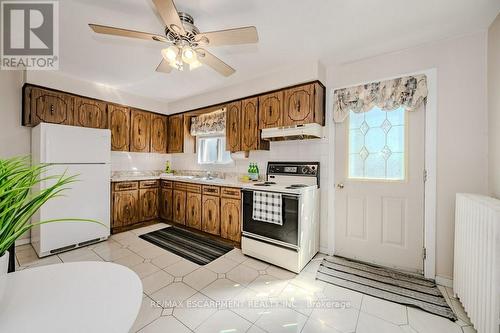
pixel 267 207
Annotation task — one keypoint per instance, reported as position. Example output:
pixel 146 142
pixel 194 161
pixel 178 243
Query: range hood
pixel 295 132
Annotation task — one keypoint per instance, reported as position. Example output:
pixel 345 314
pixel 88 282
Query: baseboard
pixel 23 241
pixel 446 282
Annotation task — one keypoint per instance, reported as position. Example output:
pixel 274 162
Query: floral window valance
pixel 212 123
pixel 409 92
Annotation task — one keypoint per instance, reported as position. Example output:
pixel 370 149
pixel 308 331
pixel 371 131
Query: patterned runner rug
pixel 196 248
pixel 403 288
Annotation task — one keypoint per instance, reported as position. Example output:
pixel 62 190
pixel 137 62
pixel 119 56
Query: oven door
pixel 286 235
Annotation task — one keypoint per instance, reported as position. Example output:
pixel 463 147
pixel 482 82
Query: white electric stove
pixel 293 243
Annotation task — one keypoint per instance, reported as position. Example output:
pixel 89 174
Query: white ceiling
pixel 291 32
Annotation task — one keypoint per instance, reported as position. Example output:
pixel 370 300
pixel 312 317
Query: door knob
pixel 340 186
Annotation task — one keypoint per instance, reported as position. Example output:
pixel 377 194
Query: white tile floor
pixel 236 293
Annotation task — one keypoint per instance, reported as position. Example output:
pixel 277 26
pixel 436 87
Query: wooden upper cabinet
pixel 271 110
pixel 233 128
pixel 304 105
pixel 193 210
pixel 140 122
pixel 50 107
pixel 175 134
pixel 119 124
pixel 158 133
pixel 90 113
pixel 250 133
pixel 211 214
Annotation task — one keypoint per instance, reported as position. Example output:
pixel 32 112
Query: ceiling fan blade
pixel 164 67
pixel 244 35
pixel 170 16
pixel 107 30
pixel 209 59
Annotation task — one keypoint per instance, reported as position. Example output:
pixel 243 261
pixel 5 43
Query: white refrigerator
pixel 75 151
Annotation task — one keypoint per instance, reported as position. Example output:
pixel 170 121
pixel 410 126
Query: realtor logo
pixel 29 35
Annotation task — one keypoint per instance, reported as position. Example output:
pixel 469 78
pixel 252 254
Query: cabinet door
pixel 158 133
pixel 125 208
pixel 271 110
pixel 51 107
pixel 299 105
pixel 166 204
pixel 193 210
pixel 148 203
pixel 230 219
pixel 140 122
pixel 233 127
pixel 119 124
pixel 249 125
pixel 211 214
pixel 179 212
pixel 90 113
pixel 175 134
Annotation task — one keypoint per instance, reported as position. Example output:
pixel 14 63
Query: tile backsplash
pixel 128 161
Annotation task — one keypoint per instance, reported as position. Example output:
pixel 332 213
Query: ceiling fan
pixel 186 42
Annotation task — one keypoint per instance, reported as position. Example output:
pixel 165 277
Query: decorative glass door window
pixel 377 147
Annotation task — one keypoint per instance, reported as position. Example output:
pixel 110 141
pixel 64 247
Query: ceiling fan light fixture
pixel 188 55
pixel 170 53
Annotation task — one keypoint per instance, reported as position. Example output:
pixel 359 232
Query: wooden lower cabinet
pixel 212 209
pixel 211 214
pixel 125 208
pixel 179 209
pixel 193 210
pixel 230 219
pixel 166 204
pixel 148 204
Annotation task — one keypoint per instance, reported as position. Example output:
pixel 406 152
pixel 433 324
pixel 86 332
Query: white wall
pixel 462 141
pixel 15 140
pixel 56 80
pixel 276 80
pixel 128 161
pixel 494 106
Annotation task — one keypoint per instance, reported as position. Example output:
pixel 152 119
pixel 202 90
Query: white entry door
pixel 379 184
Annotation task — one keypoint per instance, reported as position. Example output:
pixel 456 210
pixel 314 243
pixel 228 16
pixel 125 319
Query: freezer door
pixel 88 198
pixel 63 144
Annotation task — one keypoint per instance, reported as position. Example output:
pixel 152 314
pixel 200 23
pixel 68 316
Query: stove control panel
pixel 293 168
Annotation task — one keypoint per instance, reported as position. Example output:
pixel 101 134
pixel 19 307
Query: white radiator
pixel 476 275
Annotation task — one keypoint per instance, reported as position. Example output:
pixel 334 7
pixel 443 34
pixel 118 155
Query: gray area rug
pixel 385 283
pixel 194 247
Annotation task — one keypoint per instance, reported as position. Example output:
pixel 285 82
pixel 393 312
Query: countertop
pixel 231 182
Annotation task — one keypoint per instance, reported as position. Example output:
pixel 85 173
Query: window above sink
pixel 212 150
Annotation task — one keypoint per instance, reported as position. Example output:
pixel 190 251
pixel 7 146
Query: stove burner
pixel 297 186
pixel 265 184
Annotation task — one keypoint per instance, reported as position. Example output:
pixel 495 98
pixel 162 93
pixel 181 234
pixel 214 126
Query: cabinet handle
pixel 51 108
pixel 192 211
pixel 230 219
pixel 298 105
pixel 270 111
pixel 210 215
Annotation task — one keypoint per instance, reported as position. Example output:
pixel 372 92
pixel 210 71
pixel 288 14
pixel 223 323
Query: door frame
pixel 430 165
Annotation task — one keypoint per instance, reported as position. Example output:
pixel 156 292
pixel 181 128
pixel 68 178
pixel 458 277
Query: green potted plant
pixel 18 200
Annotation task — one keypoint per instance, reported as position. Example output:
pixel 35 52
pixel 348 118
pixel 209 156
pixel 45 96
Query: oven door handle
pixel 283 195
